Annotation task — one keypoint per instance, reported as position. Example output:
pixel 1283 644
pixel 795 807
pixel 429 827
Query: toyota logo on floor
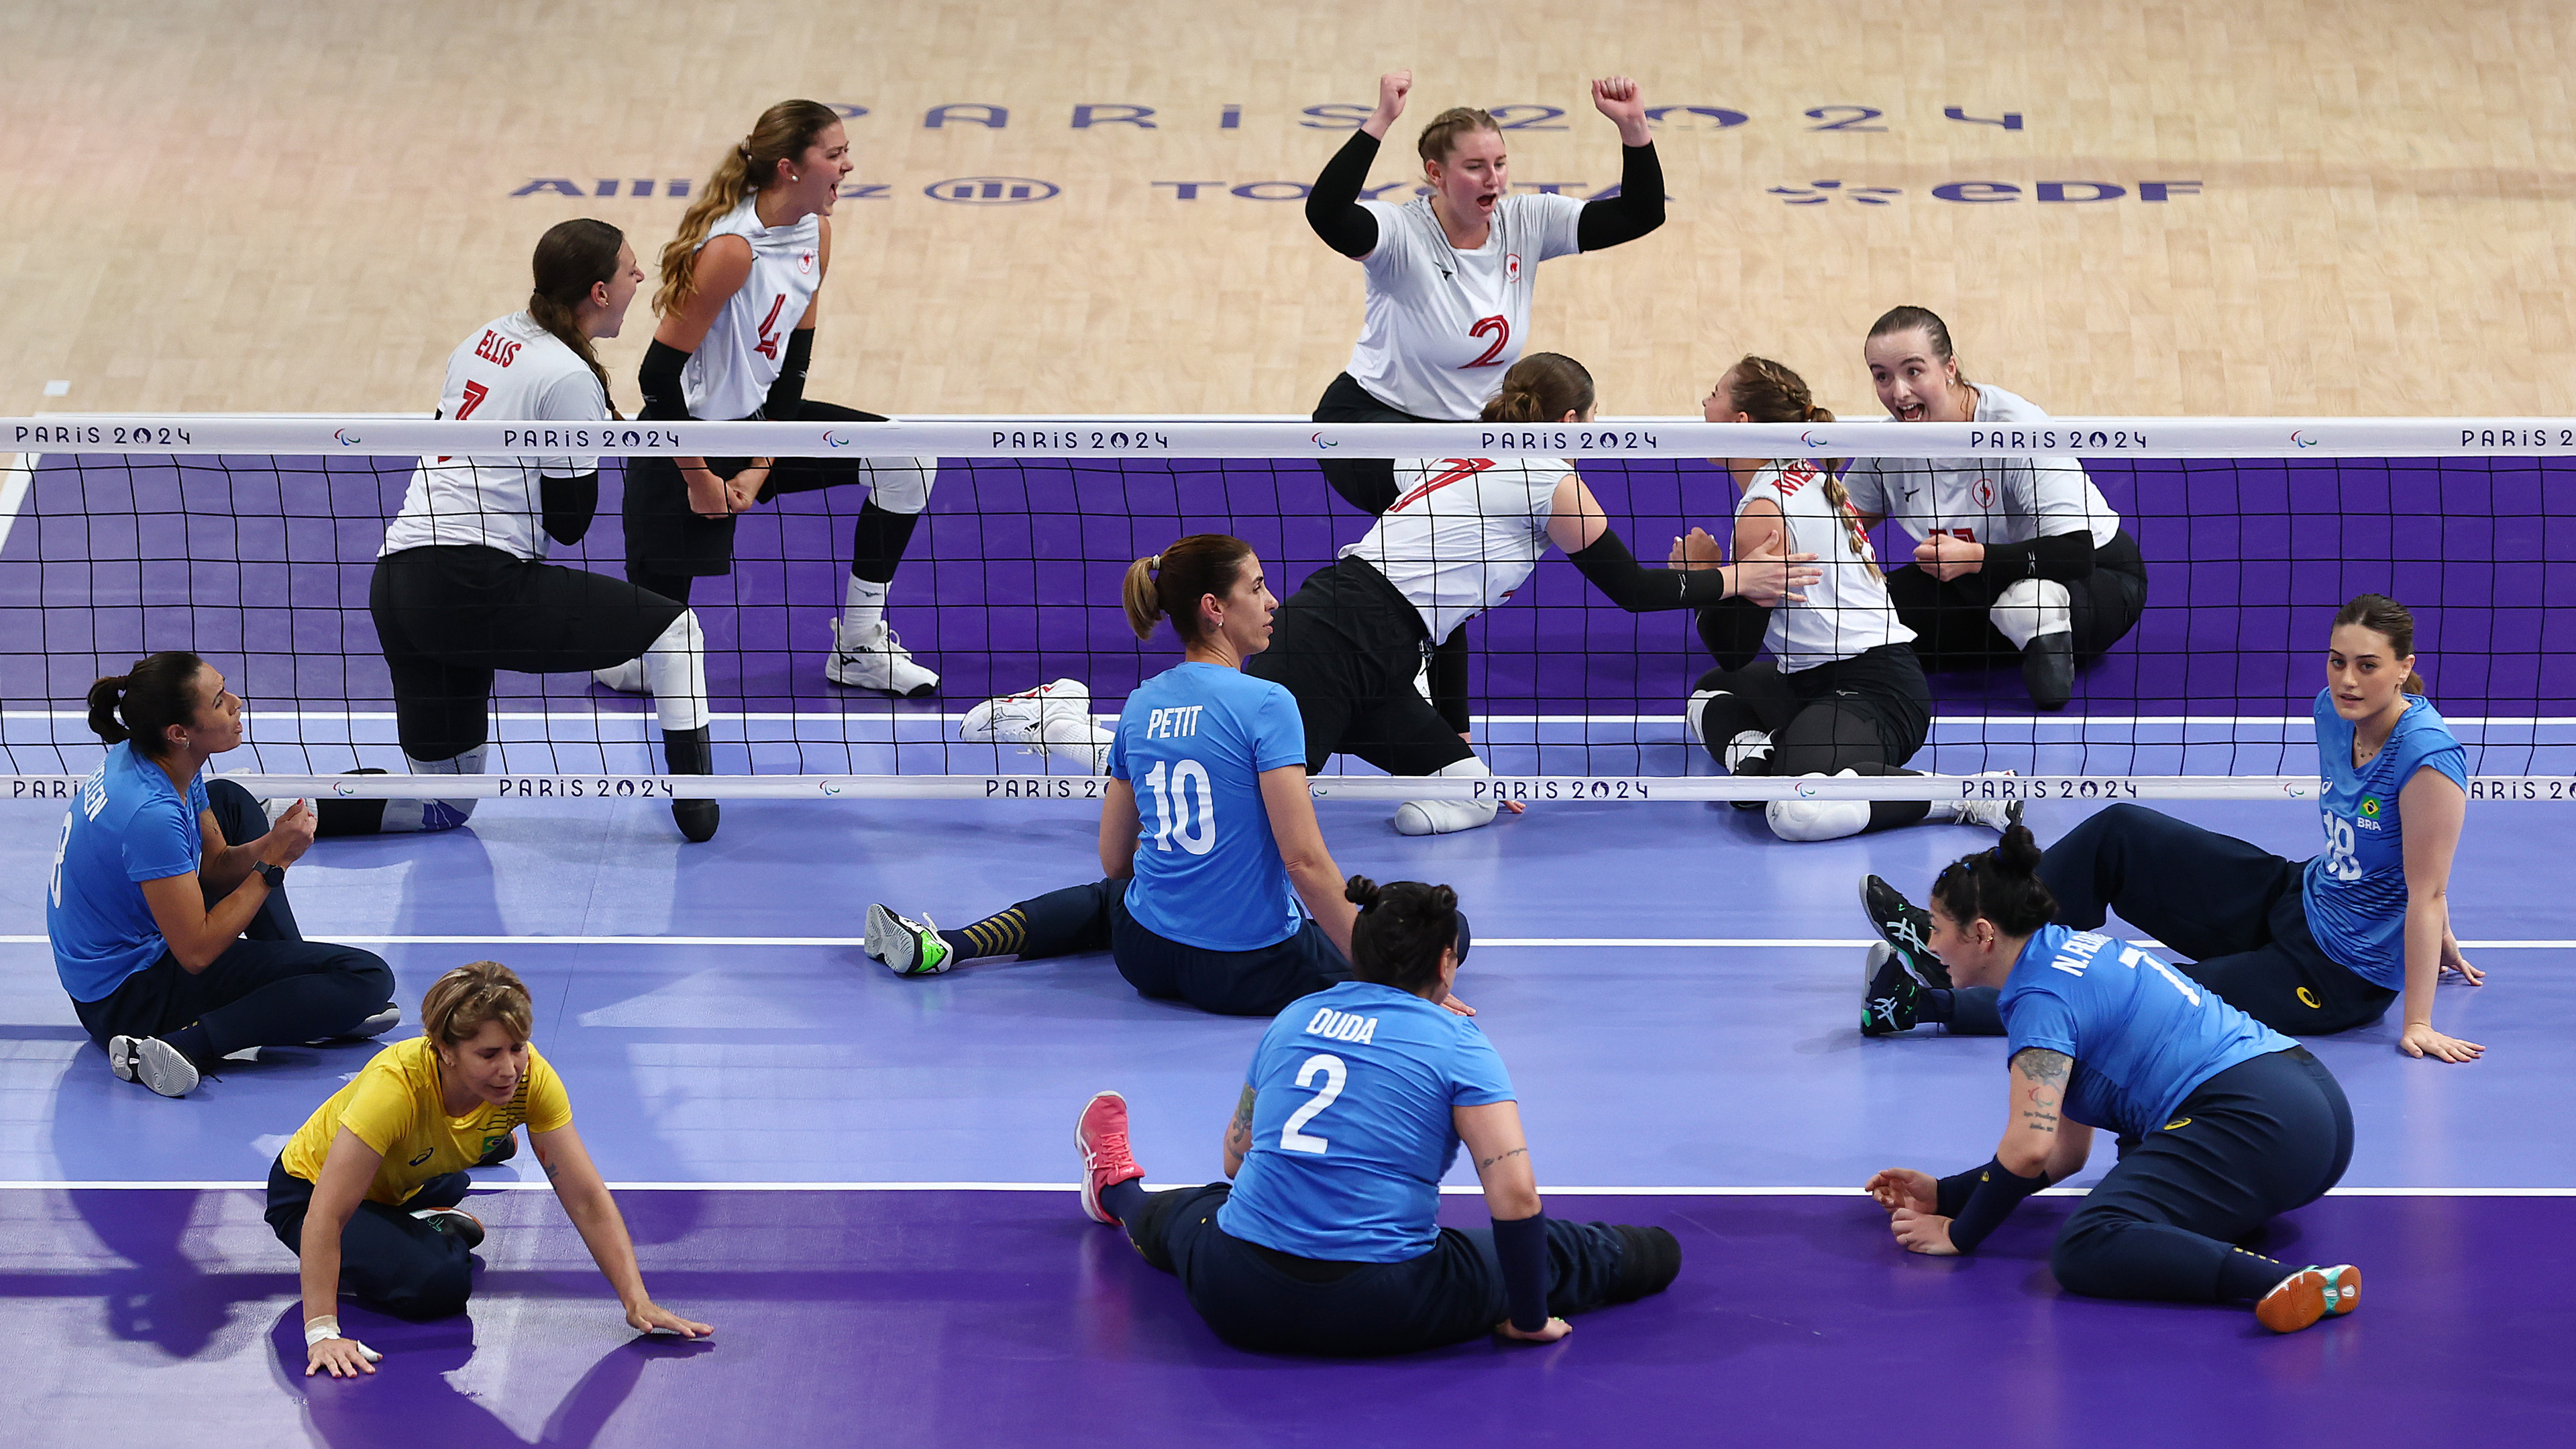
pixel 991 190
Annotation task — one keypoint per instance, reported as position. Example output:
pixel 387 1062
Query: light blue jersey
pixel 2142 1034
pixel 2356 892
pixel 128 825
pixel 1350 1125
pixel 1194 741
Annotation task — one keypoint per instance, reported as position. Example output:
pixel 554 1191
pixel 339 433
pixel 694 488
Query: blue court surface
pixel 866 1181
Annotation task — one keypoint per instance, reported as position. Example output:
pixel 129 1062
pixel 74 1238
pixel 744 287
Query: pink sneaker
pixel 1100 1135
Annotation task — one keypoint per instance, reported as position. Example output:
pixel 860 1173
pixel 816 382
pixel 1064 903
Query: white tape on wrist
pixel 318 1329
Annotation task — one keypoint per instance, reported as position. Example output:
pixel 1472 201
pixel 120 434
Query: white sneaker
pixel 1996 815
pixel 1442 817
pixel 367 1030
pixel 153 1062
pixel 908 947
pixel 1748 745
pixel 626 678
pixel 876 660
pixel 1021 719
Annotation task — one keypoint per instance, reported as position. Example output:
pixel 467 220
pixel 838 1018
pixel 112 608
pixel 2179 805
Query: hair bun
pixel 1360 891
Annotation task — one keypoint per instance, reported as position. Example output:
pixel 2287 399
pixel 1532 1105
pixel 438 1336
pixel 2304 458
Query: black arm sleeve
pixel 1635 211
pixel 570 504
pixel 659 380
pixel 1639 590
pixel 2064 557
pixel 1333 208
pixel 1733 631
pixel 1521 1245
pixel 788 393
pixel 1992 1200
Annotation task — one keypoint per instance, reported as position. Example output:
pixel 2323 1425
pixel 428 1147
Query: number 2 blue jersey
pixel 1194 741
pixel 2142 1034
pixel 1350 1123
pixel 2356 891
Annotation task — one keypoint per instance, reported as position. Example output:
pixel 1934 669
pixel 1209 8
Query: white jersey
pixel 1985 500
pixel 728 377
pixel 1847 612
pixel 1464 534
pixel 510 370
pixel 1443 325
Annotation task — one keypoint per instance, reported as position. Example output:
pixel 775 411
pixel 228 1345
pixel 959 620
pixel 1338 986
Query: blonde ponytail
pixel 1769 392
pixel 783 133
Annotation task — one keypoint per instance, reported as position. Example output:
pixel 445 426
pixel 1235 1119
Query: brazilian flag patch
pixel 2370 806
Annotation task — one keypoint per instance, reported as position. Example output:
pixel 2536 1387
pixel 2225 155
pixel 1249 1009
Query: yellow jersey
pixel 395 1105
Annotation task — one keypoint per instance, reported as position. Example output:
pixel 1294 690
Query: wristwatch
pixel 275 875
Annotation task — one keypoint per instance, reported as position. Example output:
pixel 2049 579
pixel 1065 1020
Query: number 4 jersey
pixel 1351 1125
pixel 1194 741
pixel 2356 891
pixel 728 377
pixel 1442 325
pixel 2142 1034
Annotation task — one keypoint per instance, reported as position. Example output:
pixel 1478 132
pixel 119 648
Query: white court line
pixel 1710 943
pixel 17 470
pixel 1450 1190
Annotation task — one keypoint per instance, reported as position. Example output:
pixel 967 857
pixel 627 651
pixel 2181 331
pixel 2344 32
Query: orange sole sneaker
pixel 2308 1295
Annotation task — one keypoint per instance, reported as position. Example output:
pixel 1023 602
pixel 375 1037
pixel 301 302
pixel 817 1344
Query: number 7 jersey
pixel 1194 741
pixel 728 377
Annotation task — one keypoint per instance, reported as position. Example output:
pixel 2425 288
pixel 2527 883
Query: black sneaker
pixel 1887 1003
pixel 455 1222
pixel 1905 926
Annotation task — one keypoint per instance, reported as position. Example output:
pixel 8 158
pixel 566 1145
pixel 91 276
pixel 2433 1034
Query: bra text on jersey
pixel 1342 1025
pixel 1179 722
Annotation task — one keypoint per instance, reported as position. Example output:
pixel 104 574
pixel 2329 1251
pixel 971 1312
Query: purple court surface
pixel 866 1182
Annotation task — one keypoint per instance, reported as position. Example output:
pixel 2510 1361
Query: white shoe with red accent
pixel 1100 1135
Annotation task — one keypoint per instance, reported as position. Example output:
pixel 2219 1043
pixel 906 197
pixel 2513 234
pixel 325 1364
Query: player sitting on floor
pixel 167 906
pixel 1463 538
pixel 1842 693
pixel 365 1193
pixel 2304 949
pixel 2013 555
pixel 1205 910
pixel 1357 1101
pixel 2223 1123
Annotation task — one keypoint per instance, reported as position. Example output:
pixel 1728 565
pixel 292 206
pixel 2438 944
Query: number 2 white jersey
pixel 728 377
pixel 1464 534
pixel 1985 500
pixel 1847 611
pixel 1442 325
pixel 510 370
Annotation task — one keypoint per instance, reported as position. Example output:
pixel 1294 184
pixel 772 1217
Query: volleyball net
pixel 252 540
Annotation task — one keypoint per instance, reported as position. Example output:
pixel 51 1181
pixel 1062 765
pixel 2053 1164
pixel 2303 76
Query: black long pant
pixel 1259 982
pixel 2253 1142
pixel 1258 1298
pixel 449 616
pixel 1952 630
pixel 2233 908
pixel 271 988
pixel 1347 644
pixel 668 545
pixel 388 1258
pixel 1868 714
pixel 1368 484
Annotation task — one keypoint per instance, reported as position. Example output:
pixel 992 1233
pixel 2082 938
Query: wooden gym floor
pixel 296 205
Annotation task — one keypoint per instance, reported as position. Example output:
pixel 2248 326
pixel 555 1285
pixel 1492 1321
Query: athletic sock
pixel 196 1046
pixel 862 608
pixel 2241 1275
pixel 1125 1201
pixel 1002 934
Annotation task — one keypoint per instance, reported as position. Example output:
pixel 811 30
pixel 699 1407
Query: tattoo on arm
pixel 1484 1162
pixel 2047 1068
pixel 1243 1109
